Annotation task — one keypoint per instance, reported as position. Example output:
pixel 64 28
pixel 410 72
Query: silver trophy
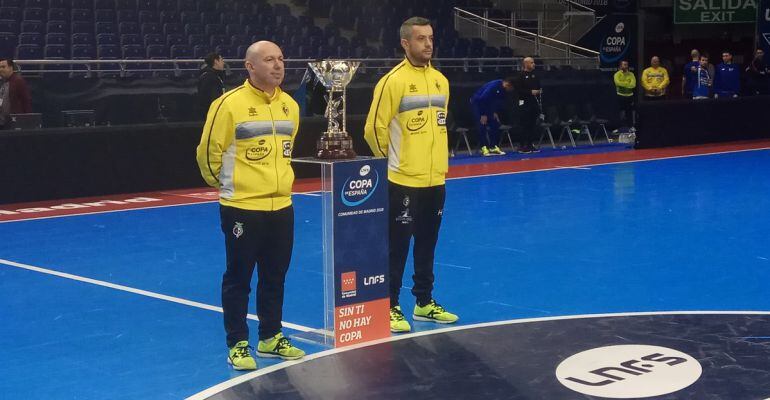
pixel 335 75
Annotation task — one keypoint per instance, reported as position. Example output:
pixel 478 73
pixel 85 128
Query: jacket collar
pixel 416 67
pixel 261 93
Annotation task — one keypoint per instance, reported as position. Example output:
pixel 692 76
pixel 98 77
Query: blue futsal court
pixel 679 234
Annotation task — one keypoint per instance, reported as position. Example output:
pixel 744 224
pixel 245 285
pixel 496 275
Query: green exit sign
pixel 715 11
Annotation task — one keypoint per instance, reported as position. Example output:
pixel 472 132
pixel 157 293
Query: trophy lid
pixel 334 74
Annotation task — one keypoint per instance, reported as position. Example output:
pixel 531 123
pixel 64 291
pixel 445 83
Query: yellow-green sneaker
pixel 240 357
pixel 398 324
pixel 433 312
pixel 279 346
pixel 485 151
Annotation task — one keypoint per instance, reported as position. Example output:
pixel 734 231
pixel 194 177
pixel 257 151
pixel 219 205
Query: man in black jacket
pixel 527 86
pixel 211 82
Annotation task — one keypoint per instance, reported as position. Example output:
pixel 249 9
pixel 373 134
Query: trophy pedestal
pixel 354 226
pixel 335 147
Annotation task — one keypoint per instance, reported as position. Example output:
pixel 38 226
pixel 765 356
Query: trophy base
pixel 335 147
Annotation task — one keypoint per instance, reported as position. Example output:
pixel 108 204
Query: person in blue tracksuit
pixel 486 103
pixel 690 77
pixel 702 80
pixel 727 82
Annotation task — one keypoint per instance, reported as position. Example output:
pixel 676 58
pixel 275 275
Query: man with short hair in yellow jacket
pixel 625 83
pixel 655 80
pixel 245 152
pixel 407 124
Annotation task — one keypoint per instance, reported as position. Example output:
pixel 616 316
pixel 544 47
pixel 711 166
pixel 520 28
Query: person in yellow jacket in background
pixel 655 80
pixel 407 124
pixel 625 83
pixel 245 152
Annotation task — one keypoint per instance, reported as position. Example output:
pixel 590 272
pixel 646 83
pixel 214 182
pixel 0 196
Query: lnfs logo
pixel 629 371
pixel 358 189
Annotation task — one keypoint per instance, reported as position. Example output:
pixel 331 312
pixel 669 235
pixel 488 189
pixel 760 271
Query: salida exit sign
pixel 715 11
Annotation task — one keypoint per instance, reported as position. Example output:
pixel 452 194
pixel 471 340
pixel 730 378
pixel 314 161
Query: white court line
pixel 612 163
pixel 246 377
pixel 315 193
pixel 140 292
pixel 570 167
pixel 452 265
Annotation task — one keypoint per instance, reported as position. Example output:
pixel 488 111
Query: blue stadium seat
pixel 241 50
pixel 196 39
pixel 193 29
pixel 128 27
pixel 506 52
pixel 133 52
pixel 54 51
pixel 215 29
pixel 171 16
pixel 106 39
pixel 125 4
pixel 227 51
pixel 7 43
pixel 176 39
pixel 209 17
pixel 32 26
pixel 7 26
pixel 104 15
pixel 234 29
pixel 200 51
pixel 155 51
pixel 32 14
pixel 108 52
pixel 190 17
pixel 81 15
pixel 147 5
pixel 229 17
pixel 173 28
pixel 82 38
pixel 281 10
pixel 57 27
pixel 218 40
pixel 56 38
pixel 10 3
pixel 150 28
pixel 35 4
pixel 167 5
pixel 127 16
pixel 259 30
pixel 187 5
pixel 10 13
pixel 57 14
pixel 149 16
pixel 82 27
pixel 103 4
pixel 236 40
pixel 25 51
pixel 154 39
pixel 105 27
pixel 58 3
pixel 31 38
pixel 344 51
pixel 181 51
pixel 129 39
pixel 83 52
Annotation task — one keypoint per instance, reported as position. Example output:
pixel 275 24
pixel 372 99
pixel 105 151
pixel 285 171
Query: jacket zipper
pixel 275 156
pixel 432 131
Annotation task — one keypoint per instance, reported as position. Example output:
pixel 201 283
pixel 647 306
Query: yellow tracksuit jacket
pixel 407 124
pixel 625 82
pixel 655 78
pixel 245 149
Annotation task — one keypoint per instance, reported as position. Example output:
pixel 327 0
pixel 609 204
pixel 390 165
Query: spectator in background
pixel 727 81
pixel 486 103
pixel 655 80
pixel 528 89
pixel 702 87
pixel 690 74
pixel 625 83
pixel 758 75
pixel 211 81
pixel 14 92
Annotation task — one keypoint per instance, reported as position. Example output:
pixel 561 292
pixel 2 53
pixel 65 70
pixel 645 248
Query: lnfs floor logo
pixel 629 371
pixel 358 189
